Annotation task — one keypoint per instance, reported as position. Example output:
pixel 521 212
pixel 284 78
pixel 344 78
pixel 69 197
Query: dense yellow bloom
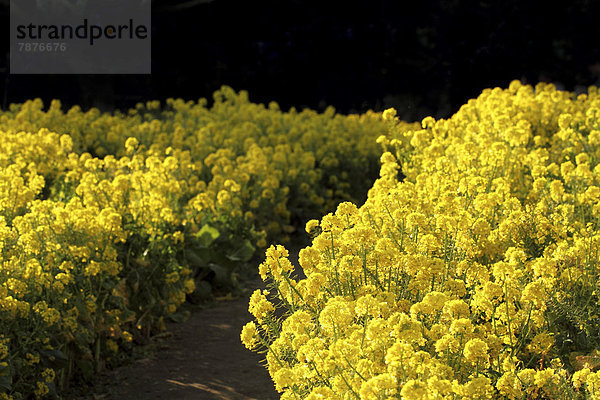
pixel 260 307
pixel 102 213
pixel 476 351
pixel 249 335
pixel 465 278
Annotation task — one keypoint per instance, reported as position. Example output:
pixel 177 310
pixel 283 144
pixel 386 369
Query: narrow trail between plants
pixel 202 358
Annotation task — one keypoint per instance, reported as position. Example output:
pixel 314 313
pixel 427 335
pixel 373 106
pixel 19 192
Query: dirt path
pixel 202 359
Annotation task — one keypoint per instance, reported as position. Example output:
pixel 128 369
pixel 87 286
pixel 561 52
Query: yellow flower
pixel 41 389
pixel 476 351
pixel 543 377
pixel 389 114
pixel 311 225
pixel 283 378
pixel 128 337
pixel 131 145
pixel 580 377
pixel 260 307
pixel 414 390
pixel 48 375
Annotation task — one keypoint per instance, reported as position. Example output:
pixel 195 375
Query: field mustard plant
pixel 474 277
pixel 108 222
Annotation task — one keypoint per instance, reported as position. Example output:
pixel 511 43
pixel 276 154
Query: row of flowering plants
pixel 474 277
pixel 108 222
pixel 90 251
pixel 281 168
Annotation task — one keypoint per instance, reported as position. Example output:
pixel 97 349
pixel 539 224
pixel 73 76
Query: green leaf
pixel 55 358
pixel 82 309
pixel 52 390
pixel 219 257
pixel 198 257
pixel 5 384
pixel 86 367
pixel 202 293
pixel 207 235
pixel 180 316
pixel 203 290
pixel 221 273
pixel 243 253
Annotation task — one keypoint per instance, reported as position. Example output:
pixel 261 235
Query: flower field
pixel 474 277
pixel 109 222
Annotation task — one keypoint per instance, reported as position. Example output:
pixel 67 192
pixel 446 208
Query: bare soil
pixel 202 358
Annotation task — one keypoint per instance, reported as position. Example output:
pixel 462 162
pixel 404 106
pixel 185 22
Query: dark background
pixel 423 57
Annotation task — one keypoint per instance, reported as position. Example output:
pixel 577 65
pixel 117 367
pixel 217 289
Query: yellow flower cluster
pixel 57 259
pixel 89 248
pixel 257 166
pixel 108 221
pixel 475 277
